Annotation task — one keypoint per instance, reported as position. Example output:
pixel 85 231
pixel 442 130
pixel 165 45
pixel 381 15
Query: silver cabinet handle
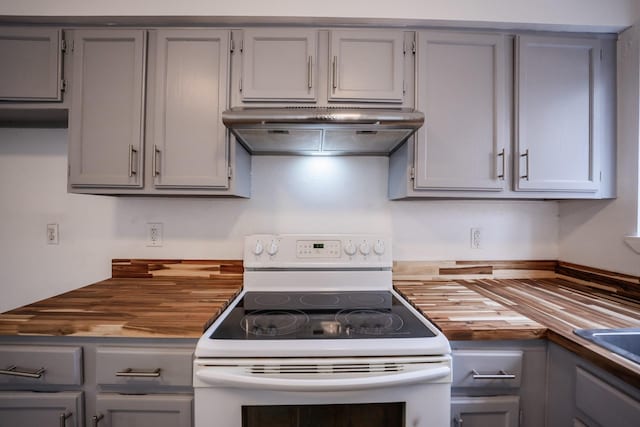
pixel 335 73
pixel 526 156
pixel 63 418
pixel 132 169
pixel 15 371
pixel 310 72
pixel 457 422
pixel 501 154
pixel 140 373
pixel 501 375
pixel 154 161
pixel 96 419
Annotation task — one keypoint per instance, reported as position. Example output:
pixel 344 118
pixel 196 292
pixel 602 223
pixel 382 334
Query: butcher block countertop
pixel 144 299
pixel 543 306
pixel 467 301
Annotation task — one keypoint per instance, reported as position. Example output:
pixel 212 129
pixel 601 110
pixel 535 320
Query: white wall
pixel 291 194
pixel 609 15
pixel 592 232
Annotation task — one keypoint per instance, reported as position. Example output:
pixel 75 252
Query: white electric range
pixel 318 337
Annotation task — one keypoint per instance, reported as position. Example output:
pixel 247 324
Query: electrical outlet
pixel 52 234
pixel 476 238
pixel 154 234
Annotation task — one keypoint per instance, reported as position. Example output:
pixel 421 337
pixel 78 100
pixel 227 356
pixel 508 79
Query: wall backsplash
pixel 290 194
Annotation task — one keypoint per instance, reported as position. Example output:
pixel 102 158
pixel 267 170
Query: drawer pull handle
pixel 63 418
pixel 96 419
pixel 140 373
pixel 501 375
pixel 15 371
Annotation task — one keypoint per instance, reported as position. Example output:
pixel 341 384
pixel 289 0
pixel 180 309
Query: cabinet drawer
pixel 41 365
pixel 495 369
pixel 603 403
pixel 151 365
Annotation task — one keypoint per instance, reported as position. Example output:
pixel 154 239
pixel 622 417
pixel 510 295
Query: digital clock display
pixel 318 246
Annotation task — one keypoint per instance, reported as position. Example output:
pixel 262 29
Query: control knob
pixel 257 250
pixel 365 248
pixel 272 249
pixel 350 249
pixel 378 248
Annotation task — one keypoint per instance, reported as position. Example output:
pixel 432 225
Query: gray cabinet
pixel 498 383
pixel 42 409
pixel 581 394
pixel 147 119
pixel 116 410
pixel 462 89
pixel 31 67
pixel 556 102
pixel 489 411
pixel 106 120
pixel 559 142
pixel 190 91
pixel 279 65
pixel 366 66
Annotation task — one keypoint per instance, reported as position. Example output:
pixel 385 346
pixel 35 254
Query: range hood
pixel 322 131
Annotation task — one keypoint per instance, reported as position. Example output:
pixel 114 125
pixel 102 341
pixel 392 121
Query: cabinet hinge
pixel 68 171
pixel 240 85
pixel 229 172
pixel 412 173
pixel 241 45
pixel 413 47
pixel 63 45
pixel 63 85
pixel 232 46
pixel 404 87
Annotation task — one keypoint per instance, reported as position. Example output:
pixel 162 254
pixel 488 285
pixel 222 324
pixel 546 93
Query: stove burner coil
pixel 369 322
pixel 273 322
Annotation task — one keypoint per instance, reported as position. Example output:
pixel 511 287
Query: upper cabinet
pixel 461 80
pixel 322 67
pixel 279 65
pixel 562 94
pixel 190 92
pixel 148 121
pixel 366 66
pixel 556 82
pixel 31 68
pixel 106 122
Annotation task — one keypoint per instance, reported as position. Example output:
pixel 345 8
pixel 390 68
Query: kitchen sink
pixel 625 341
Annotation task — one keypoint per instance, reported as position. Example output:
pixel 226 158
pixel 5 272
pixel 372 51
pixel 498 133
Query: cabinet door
pixel 107 108
pixel 462 91
pixel 116 410
pixel 31 67
pixel 366 66
pixel 555 108
pixel 490 411
pixel 30 409
pixel 279 65
pixel 191 91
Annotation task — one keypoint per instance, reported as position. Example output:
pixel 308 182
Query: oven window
pixel 351 415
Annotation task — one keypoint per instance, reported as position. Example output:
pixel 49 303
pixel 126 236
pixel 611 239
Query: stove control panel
pixel 317 251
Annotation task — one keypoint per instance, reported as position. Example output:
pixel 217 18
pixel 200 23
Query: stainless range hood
pixel 322 131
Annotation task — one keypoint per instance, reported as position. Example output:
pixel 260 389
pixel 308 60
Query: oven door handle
pixel 239 380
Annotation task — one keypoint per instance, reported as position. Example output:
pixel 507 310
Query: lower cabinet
pixel 489 411
pixel 498 383
pixel 166 410
pixel 71 382
pixel 41 409
pixel 581 394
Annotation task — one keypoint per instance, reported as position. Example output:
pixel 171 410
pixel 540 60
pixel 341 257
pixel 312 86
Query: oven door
pixel 327 392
